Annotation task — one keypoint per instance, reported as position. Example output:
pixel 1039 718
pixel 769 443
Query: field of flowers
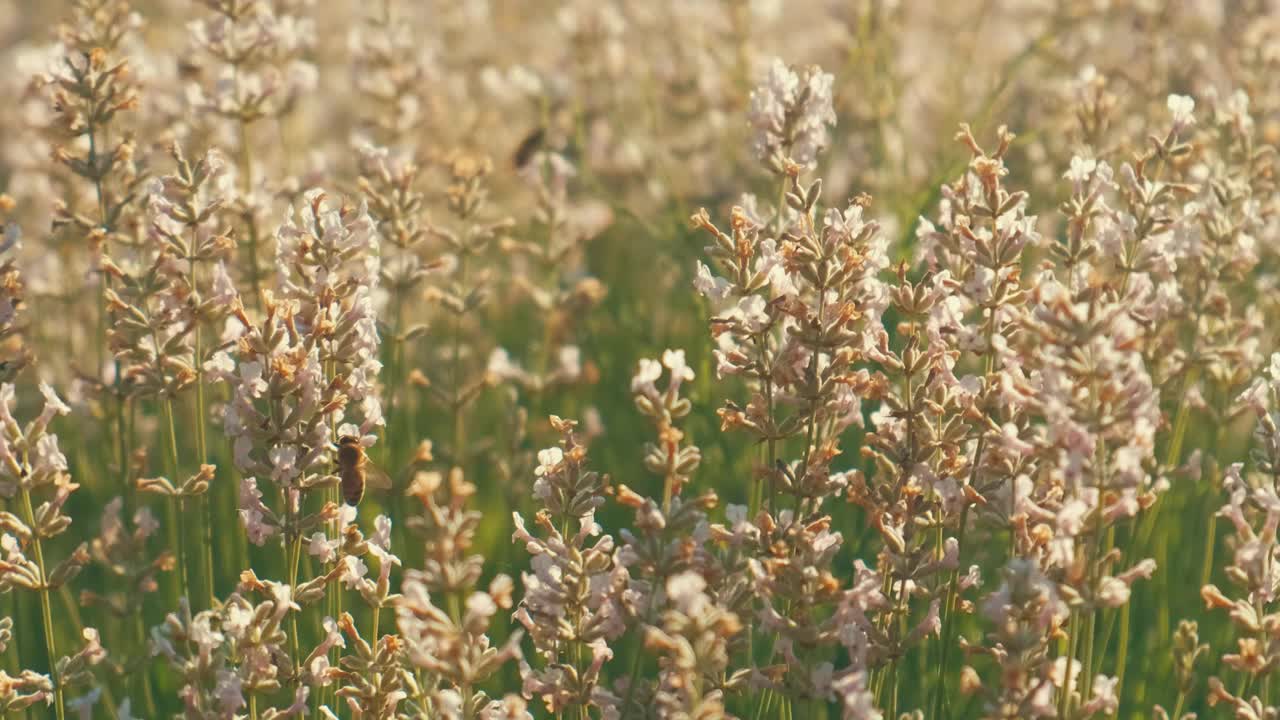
pixel 612 360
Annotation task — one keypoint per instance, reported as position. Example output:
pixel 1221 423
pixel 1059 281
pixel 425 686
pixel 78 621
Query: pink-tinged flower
pixel 709 286
pixel 1181 109
pixel 549 461
pixel 502 367
pixel 318 666
pixel 381 532
pixel 680 370
pixel 353 571
pixel 220 366
pixel 53 406
pixel 322 548
pixel 789 114
pixel 645 378
pixel 255 516
pixel 685 591
pixel 751 312
pixel 230 692
pixel 204 634
pixel 251 379
pixel 145 522
pixel 284 467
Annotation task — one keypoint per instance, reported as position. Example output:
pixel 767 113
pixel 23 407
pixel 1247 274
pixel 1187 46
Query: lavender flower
pixel 789 115
pixel 571 607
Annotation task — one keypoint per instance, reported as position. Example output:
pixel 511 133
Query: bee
pixel 528 146
pixel 356 470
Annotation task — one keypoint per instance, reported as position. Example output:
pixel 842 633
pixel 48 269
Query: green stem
pixel 246 186
pixel 1073 627
pixel 202 449
pixel 105 280
pixel 948 625
pixel 1211 536
pixel 1086 682
pixel 1177 707
pixel 336 593
pixel 949 609
pixel 140 636
pixel 455 378
pixel 177 504
pixel 1122 652
pixel 103 277
pixel 395 362
pixel 635 660
pixel 334 495
pixel 1180 422
pixel 782 209
pixel 123 438
pixel 13 653
pixel 295 553
pixel 46 610
pixel 1097 550
pixel 72 611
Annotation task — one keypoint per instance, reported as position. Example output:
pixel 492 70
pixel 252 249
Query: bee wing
pixel 375 477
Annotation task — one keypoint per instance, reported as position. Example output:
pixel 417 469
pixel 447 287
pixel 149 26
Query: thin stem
pixel 124 437
pixel 246 186
pixel 949 609
pixel 668 489
pixel 782 205
pixel 1266 689
pixel 1180 423
pixel 901 602
pixel 1097 551
pixel 639 654
pixel 395 364
pixel 102 276
pixel 202 449
pixel 1086 662
pixel 948 623
pixel 1073 627
pixel 757 496
pixel 1211 536
pixel 455 378
pixel 13 654
pixel 177 504
pixel 140 636
pixel 334 496
pixel 46 610
pixel 1177 707
pixel 335 653
pixel 1142 537
pixel 1122 652
pixel 105 281
pixel 1145 530
pixel 811 429
pixel 77 623
pixel 295 553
